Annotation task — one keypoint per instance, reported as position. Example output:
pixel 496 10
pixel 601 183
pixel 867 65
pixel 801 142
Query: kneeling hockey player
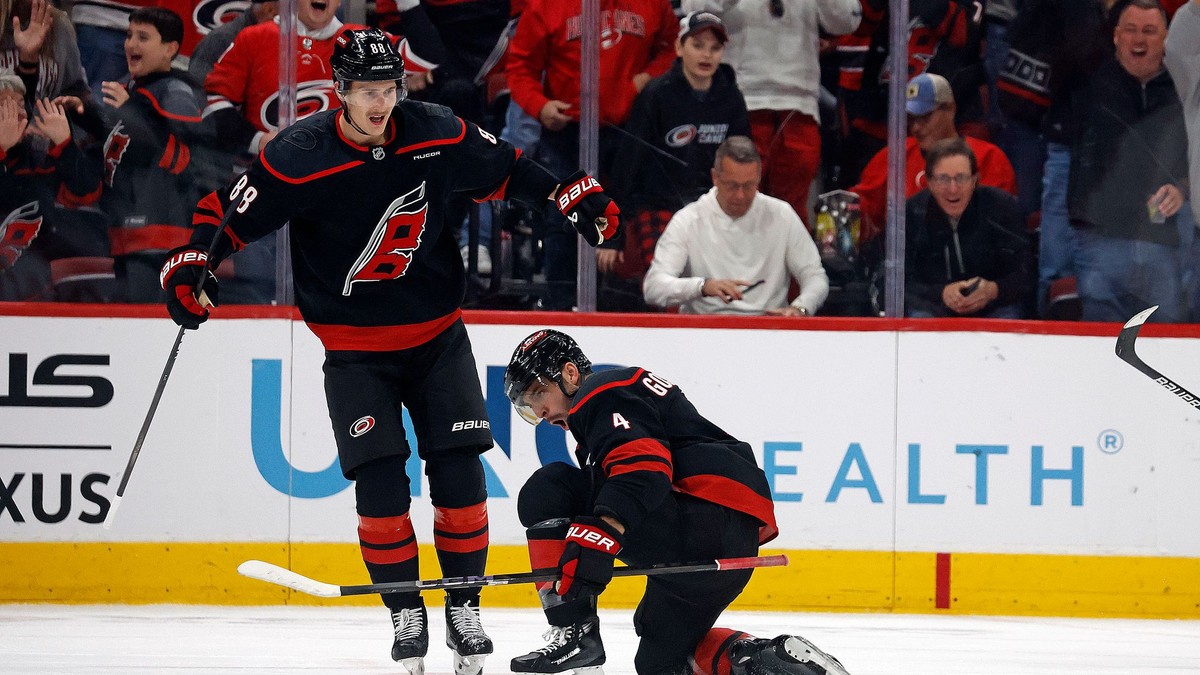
pixel 659 483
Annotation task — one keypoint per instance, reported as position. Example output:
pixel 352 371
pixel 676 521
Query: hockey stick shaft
pixel 264 571
pixel 1125 350
pixel 162 379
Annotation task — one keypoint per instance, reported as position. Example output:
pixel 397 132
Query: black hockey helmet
pixel 542 354
pixel 366 55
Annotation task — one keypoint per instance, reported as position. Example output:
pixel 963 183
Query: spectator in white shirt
pixel 735 250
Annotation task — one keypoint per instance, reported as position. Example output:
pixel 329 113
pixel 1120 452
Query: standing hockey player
pixel 379 280
pixel 659 483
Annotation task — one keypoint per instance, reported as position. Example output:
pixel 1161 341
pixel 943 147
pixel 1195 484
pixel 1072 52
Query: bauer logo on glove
pixel 188 299
pixel 589 210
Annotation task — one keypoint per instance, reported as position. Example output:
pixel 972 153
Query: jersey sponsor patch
pixel 396 237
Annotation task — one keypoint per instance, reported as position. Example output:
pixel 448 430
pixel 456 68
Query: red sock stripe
pixel 460 520
pixel 385 531
pixel 386 541
pixel 460 530
pixel 407 550
pixel 712 654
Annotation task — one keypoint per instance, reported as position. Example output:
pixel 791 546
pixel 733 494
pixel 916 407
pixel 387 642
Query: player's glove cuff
pixel 591 212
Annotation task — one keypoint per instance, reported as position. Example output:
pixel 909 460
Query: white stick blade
pixel 274 574
pixel 112 512
pixel 1140 318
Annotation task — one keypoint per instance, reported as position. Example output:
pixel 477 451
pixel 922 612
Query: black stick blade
pixel 1125 351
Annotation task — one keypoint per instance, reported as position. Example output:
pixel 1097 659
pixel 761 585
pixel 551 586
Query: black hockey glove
pixel 178 278
pixel 587 562
pixel 593 215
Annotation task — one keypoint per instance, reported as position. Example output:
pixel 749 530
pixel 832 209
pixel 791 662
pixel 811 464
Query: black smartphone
pixel 970 288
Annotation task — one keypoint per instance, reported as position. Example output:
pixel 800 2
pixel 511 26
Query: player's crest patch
pixel 396 238
pixel 377 153
pixel 361 426
pixel 114 150
pixel 17 232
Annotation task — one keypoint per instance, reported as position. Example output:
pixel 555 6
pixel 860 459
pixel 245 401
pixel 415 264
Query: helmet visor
pixel 527 400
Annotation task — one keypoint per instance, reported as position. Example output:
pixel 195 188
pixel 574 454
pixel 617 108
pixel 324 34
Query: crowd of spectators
pixel 1048 173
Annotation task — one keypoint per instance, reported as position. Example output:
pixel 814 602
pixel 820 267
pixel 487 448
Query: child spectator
pixel 151 128
pixel 675 126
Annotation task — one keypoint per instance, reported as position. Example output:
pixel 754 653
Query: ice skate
pixel 412 639
pixel 465 637
pixel 576 647
pixel 783 655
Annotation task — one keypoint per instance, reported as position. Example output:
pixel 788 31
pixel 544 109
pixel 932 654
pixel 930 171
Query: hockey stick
pixel 264 571
pixel 1125 340
pixel 162 379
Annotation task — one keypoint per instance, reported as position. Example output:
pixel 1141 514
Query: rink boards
pixel 963 467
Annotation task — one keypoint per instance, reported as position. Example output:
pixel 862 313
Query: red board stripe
pixel 942 590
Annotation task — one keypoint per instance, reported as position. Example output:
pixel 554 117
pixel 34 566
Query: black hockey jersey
pixel 644 438
pixel 373 265
pixel 148 177
pixel 671 118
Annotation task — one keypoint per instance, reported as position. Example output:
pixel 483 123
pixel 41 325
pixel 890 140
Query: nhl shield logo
pixel 377 153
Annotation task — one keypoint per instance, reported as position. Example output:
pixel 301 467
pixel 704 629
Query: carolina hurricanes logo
pixel 17 232
pixel 114 149
pixel 396 237
pixel 209 14
pixel 361 426
pixel 311 97
pixel 681 135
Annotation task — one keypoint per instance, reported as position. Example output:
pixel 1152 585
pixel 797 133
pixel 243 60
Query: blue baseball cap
pixel 926 92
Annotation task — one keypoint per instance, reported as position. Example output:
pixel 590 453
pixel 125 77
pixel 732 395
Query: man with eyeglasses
pixel 930 104
pixel 379 281
pixel 966 249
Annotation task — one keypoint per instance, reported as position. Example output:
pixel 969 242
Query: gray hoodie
pixel 1183 62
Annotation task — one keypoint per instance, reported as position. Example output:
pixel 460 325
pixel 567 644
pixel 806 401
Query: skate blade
pixel 804 651
pixel 468 665
pixel 414 665
pixel 590 670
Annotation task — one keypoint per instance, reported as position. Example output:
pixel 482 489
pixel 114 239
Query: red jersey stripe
pixel 195 119
pixel 126 240
pixel 610 385
pixel 304 179
pixel 462 132
pixel 381 338
pixel 648 465
pixel 734 495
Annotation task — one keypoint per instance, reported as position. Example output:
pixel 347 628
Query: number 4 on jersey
pixel 619 421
